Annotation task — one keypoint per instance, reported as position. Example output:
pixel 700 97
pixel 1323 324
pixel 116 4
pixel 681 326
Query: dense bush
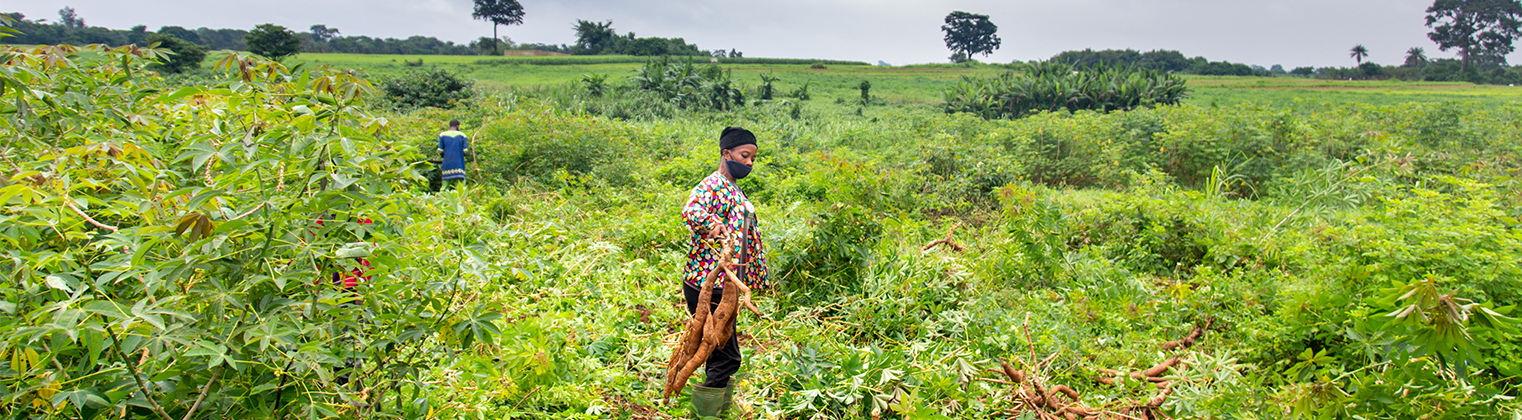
pixel 684 85
pixel 556 150
pixel 185 56
pixel 427 88
pixel 1053 86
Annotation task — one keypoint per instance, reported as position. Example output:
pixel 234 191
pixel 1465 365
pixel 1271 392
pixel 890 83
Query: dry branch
pixel 81 213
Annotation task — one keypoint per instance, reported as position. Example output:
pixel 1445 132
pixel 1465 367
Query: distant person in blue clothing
pixel 452 147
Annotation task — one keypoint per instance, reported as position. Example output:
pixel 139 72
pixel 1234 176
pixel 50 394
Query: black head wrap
pixel 733 137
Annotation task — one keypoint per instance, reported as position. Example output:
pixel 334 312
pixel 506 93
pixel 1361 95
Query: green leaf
pixel 26 193
pixel 58 282
pixel 181 93
pixel 341 181
pixel 107 308
pixel 354 250
pixel 80 398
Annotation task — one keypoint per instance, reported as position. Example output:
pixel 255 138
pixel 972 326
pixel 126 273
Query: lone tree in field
pixel 1416 57
pixel 968 34
pixel 272 41
pixel 1477 28
pixel 1358 53
pixel 498 12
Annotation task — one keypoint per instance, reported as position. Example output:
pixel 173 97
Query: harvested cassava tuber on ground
pixel 1190 339
pixel 946 241
pixel 1066 391
pixel 1152 374
pixel 1014 375
pixel 1161 368
pixel 1161 396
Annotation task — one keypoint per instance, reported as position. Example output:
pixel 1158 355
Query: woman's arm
pixel 696 215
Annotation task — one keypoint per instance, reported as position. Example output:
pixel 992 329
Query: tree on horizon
pixel 594 37
pixel 1359 53
pixel 322 33
pixel 1416 57
pixel 968 34
pixel 70 19
pixel 272 41
pixel 498 12
pixel 1477 28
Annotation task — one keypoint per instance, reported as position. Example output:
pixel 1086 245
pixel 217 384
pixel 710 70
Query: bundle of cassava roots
pixel 707 331
pixel 1050 402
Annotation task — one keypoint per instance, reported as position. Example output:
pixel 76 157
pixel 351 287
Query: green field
pixel 181 247
pixel 921 86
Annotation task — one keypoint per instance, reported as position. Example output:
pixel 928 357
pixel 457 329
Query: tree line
pixel 1481 32
pixel 593 38
pixel 1164 60
pixel 70 28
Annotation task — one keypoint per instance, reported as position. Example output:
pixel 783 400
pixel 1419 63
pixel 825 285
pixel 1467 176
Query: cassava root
pixel 708 331
pixel 1188 340
pixel 946 241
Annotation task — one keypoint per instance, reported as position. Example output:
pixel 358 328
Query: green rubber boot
pixel 729 399
pixel 707 403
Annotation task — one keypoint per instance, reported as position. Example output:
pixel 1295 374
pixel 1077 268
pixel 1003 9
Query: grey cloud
pixel 1289 32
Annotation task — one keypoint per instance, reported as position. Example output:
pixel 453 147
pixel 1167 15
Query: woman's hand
pixel 717 231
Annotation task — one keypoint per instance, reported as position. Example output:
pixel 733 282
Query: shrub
pixel 596 84
pixel 436 88
pixel 185 55
pixel 802 92
pixel 768 85
pixel 551 148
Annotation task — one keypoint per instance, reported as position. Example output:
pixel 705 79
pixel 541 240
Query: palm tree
pixel 1416 57
pixel 1358 53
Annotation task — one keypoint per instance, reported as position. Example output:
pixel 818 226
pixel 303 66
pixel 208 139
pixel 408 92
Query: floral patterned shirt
pixel 713 202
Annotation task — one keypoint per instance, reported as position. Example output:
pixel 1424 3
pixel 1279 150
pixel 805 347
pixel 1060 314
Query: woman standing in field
pixel 716 208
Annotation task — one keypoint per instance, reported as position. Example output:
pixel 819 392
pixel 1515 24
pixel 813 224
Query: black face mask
pixel 736 169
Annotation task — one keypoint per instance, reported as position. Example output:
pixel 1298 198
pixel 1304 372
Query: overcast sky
pixel 1289 32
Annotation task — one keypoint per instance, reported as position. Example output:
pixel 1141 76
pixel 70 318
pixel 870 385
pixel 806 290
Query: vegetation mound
pixel 1055 86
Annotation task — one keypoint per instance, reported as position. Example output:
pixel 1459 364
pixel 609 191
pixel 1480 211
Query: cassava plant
pixel 171 252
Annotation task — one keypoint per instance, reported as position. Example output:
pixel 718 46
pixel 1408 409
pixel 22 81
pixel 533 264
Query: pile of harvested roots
pixel 1035 395
pixel 706 331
